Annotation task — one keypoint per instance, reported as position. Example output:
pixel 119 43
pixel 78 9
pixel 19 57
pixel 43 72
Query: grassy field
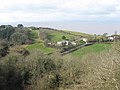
pixel 79 33
pixel 41 47
pixel 57 36
pixel 96 48
pixel 38 44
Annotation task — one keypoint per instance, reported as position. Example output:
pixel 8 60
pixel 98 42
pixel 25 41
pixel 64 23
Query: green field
pixel 57 36
pixel 41 47
pixel 54 36
pixel 79 33
pixel 96 48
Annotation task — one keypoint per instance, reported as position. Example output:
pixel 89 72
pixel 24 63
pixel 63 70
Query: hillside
pixel 45 39
pixel 50 59
pixel 96 48
pixel 53 35
pixel 56 36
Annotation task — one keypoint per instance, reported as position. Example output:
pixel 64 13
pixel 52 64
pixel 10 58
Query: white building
pixel 59 43
pixel 111 38
pixel 66 43
pixel 73 43
pixel 85 39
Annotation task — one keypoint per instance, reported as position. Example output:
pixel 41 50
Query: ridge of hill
pixel 55 34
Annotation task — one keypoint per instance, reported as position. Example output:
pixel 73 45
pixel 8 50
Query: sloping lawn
pixel 57 36
pixel 96 48
pixel 79 33
pixel 41 47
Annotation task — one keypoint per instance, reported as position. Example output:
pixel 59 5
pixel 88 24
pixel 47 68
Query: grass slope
pixel 79 33
pixel 96 48
pixel 41 47
pixel 38 43
pixel 56 35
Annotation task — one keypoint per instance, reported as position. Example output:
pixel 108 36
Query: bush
pixel 10 74
pixel 3 48
pixel 19 38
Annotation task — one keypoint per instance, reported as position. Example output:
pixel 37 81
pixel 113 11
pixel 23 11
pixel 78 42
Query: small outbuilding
pixel 114 38
pixel 66 43
pixel 85 40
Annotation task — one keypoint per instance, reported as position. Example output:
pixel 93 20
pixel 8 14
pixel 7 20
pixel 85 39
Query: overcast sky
pixel 60 11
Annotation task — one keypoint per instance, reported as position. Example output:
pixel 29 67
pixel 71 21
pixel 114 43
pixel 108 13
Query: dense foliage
pixel 6 31
pixel 3 48
pixel 18 38
pixel 14 35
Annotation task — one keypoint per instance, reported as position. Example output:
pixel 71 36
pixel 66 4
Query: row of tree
pixel 6 31
pixel 11 36
pixel 14 35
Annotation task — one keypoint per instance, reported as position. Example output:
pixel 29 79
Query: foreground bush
pixel 101 72
pixel 36 72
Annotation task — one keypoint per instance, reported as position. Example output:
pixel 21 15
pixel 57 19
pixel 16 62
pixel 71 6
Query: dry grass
pixel 101 72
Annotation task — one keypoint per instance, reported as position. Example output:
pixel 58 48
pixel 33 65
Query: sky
pixel 77 11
